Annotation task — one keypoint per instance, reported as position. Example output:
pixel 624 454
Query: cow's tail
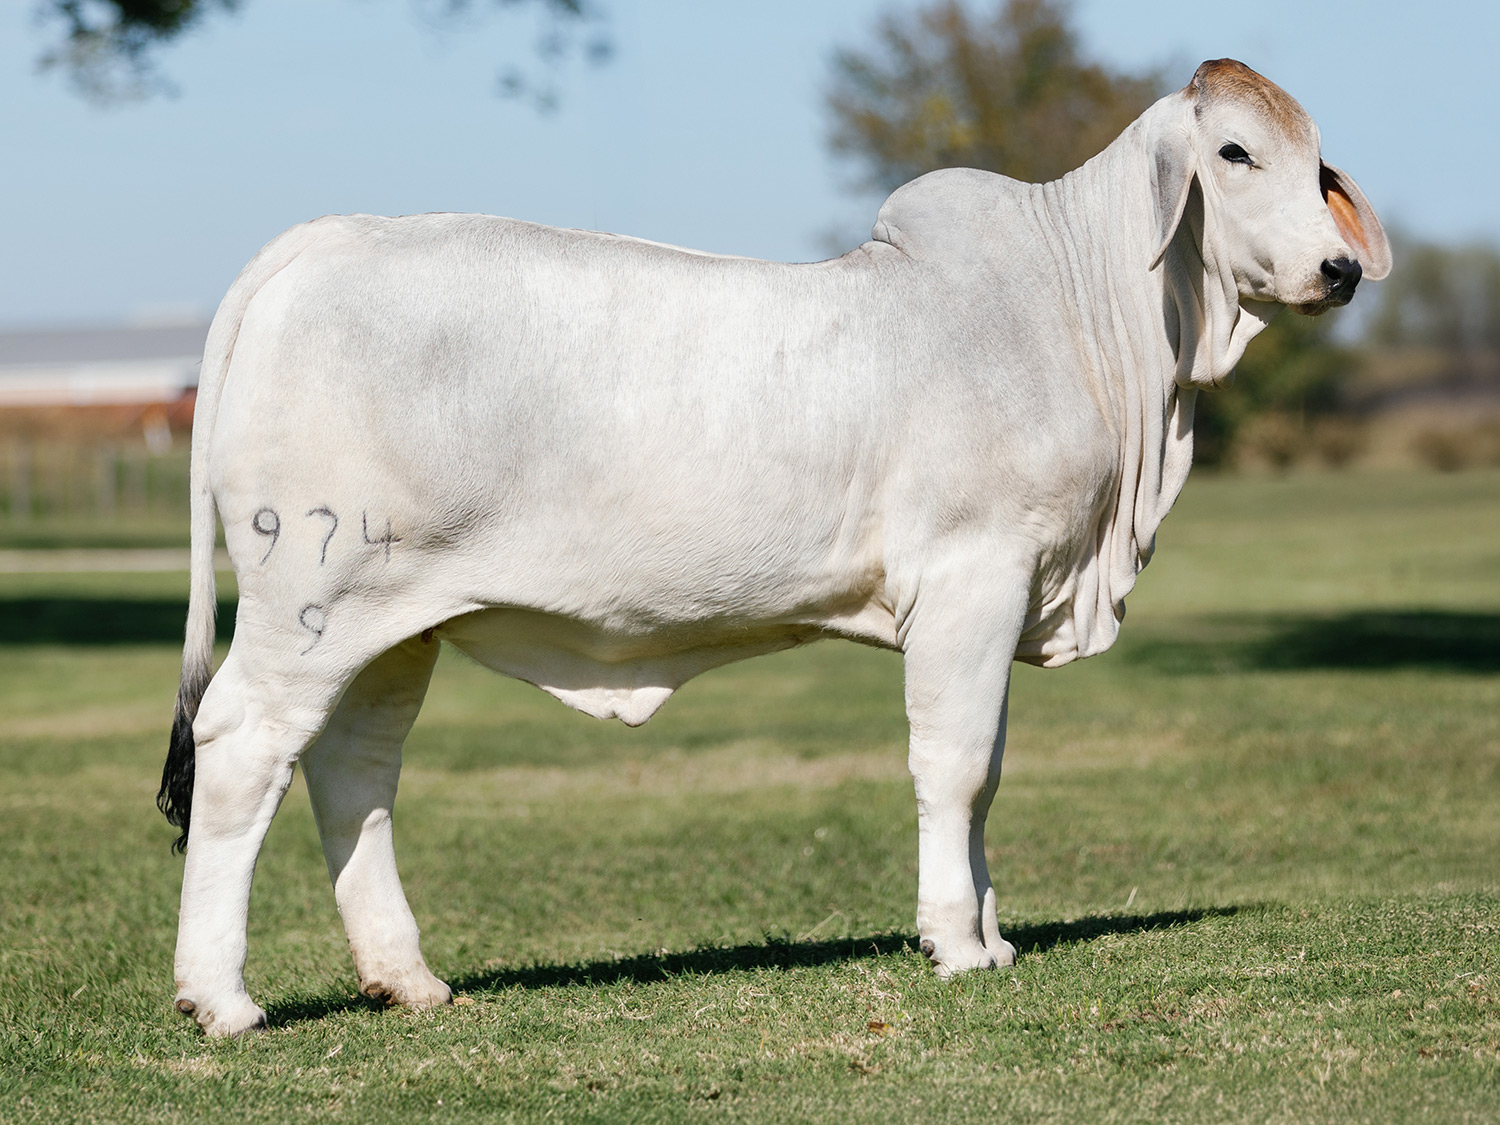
pixel 175 798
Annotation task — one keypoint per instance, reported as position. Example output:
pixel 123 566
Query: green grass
pixel 134 529
pixel 1251 858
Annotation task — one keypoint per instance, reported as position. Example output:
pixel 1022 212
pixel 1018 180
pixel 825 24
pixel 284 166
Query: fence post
pixel 52 478
pixel 106 458
pixel 20 481
pixel 135 480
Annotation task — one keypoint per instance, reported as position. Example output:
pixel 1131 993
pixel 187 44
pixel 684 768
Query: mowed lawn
pixel 1251 858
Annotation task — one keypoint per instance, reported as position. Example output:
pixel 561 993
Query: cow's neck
pixel 1141 361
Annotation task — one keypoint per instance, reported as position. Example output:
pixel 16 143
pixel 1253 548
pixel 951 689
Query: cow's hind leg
pixel 252 726
pixel 351 774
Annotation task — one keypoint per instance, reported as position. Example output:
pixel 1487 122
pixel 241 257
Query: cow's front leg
pixel 351 774
pixel 959 646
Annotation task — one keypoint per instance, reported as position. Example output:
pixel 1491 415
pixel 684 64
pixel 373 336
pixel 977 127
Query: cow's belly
pixel 611 674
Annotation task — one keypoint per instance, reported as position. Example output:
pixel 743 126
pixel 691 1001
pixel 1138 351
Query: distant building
pixel 101 383
pixel 118 366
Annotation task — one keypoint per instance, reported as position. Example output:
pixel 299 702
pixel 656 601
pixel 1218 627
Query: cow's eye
pixel 1234 154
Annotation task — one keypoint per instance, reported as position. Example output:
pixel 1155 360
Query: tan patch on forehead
pixel 1231 80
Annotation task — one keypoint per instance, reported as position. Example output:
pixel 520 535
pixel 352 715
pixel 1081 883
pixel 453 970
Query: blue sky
pixel 707 129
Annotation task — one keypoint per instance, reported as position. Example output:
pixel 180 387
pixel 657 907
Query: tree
pixel 1444 298
pixel 1289 380
pixel 108 47
pixel 1008 92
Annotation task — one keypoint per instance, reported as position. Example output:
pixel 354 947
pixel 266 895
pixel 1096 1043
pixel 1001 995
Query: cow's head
pixel 1291 229
pixel 1249 217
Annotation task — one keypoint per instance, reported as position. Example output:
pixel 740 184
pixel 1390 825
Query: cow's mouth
pixel 1318 308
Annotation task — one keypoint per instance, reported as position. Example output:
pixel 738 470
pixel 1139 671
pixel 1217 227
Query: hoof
pixel 415 994
pixel 432 999
pixel 963 957
pixel 234 1018
pixel 1005 955
pixel 380 994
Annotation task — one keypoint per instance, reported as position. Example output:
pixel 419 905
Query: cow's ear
pixel 1356 221
pixel 1172 170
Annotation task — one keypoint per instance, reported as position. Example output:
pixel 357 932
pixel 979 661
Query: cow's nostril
pixel 1342 273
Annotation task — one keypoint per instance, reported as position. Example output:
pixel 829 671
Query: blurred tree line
pixel 1445 297
pixel 1010 91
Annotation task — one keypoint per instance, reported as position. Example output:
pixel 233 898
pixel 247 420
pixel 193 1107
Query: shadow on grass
pixel 1462 642
pixel 1370 640
pixel 773 953
pixel 99 621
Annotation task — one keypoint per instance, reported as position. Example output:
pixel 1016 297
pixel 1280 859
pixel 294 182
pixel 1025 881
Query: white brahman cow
pixel 604 465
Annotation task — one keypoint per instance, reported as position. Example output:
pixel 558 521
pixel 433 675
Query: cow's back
pixel 613 431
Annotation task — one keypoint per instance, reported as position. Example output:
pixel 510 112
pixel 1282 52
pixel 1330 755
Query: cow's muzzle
pixel 1342 275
